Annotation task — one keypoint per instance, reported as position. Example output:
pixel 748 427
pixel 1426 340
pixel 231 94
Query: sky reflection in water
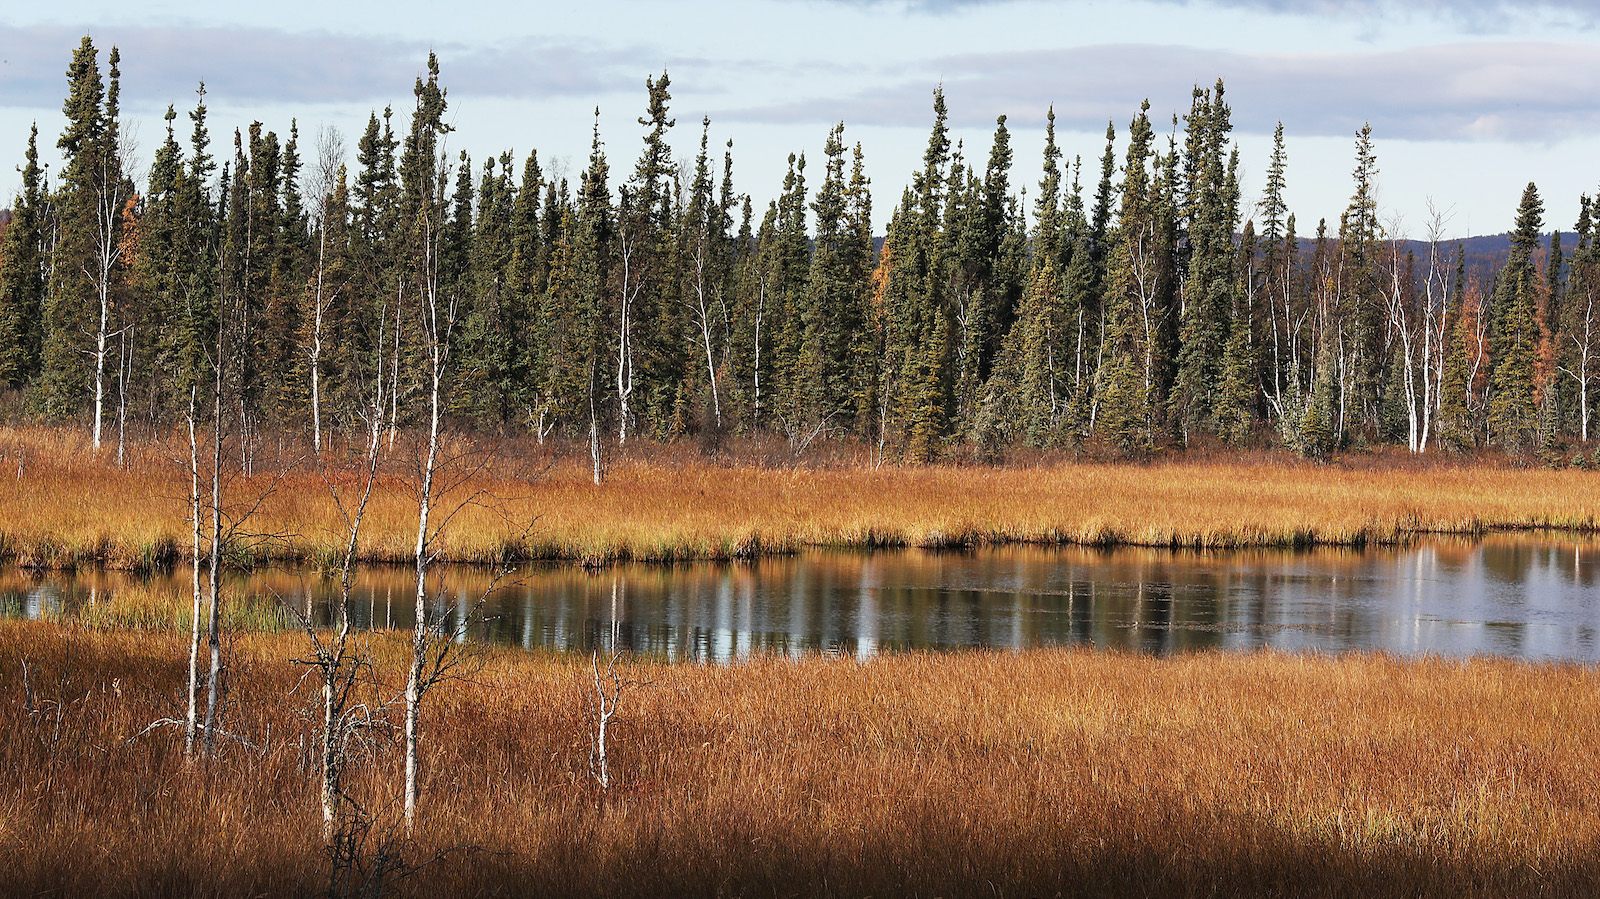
pixel 1524 596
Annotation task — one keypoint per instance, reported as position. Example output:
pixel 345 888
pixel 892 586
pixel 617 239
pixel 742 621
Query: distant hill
pixel 1487 253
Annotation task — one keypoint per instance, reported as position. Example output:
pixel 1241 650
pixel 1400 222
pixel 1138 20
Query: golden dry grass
pixel 69 507
pixel 1049 772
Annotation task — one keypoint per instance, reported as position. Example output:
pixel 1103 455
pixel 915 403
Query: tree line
pixel 1145 308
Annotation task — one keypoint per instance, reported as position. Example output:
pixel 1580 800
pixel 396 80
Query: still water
pixel 1524 596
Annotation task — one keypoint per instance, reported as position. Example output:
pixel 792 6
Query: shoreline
pixel 107 554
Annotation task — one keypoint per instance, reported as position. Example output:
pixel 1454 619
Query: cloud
pixel 1479 16
pixel 255 65
pixel 1527 91
pixel 1476 15
pixel 1516 91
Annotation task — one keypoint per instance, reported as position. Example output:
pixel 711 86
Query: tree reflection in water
pixel 1526 596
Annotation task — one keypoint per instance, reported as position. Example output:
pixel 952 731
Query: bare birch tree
pixel 197 526
pixel 1405 335
pixel 1437 297
pixel 113 190
pixel 218 525
pixel 631 236
pixel 438 319
pixel 337 661
pixel 329 185
pixel 1583 333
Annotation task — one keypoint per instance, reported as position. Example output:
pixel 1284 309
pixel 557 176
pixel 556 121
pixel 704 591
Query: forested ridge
pixel 1124 303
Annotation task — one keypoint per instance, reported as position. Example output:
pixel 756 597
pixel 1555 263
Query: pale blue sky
pixel 1468 100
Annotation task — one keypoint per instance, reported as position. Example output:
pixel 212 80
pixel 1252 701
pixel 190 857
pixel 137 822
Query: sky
pixel 1468 100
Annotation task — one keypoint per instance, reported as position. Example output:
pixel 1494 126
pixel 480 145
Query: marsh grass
pixel 149 607
pixel 70 508
pixel 1014 774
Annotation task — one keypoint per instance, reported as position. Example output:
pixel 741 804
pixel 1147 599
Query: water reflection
pixel 1529 597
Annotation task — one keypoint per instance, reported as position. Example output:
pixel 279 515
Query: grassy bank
pixel 61 505
pixel 1037 773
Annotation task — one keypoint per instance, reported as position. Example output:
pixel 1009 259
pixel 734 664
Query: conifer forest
pixel 1126 303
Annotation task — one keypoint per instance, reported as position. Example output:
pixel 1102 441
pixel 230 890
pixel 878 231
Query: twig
pixel 27 688
pixel 159 723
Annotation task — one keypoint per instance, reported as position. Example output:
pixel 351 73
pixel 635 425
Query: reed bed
pixel 62 506
pixel 1051 772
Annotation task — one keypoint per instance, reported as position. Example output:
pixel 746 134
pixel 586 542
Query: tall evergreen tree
pixel 705 245
pixel 1579 344
pixel 23 269
pixel 922 308
pixel 1463 356
pixel 1210 216
pixel 1281 305
pixel 1513 389
pixel 649 343
pixel 1360 308
pixel 527 273
pixel 81 312
pixel 1140 279
pixel 832 308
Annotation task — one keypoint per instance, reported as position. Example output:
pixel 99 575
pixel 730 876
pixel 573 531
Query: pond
pixel 1530 597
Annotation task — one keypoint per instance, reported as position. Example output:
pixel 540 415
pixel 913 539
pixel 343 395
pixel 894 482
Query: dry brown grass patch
pixel 1035 773
pixel 72 508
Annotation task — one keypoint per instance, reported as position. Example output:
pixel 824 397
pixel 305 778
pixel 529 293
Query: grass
pixel 1050 772
pixel 145 607
pixel 70 508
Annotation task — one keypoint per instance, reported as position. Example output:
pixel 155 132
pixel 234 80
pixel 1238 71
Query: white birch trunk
pixel 625 373
pixel 594 435
pixel 213 604
pixel 319 308
pixel 191 720
pixel 438 349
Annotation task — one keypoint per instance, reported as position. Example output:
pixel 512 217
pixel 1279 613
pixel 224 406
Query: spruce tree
pixel 785 261
pixel 1047 207
pixel 650 346
pixel 1360 310
pixel 864 334
pixel 1284 316
pixel 185 250
pixel 370 329
pixel 526 272
pixel 158 263
pixel 1456 429
pixel 22 275
pixel 81 314
pixel 704 247
pixel 1127 388
pixel 1579 342
pixel 1041 388
pixel 497 334
pixel 1210 213
pixel 922 310
pixel 834 305
pixel 1513 390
